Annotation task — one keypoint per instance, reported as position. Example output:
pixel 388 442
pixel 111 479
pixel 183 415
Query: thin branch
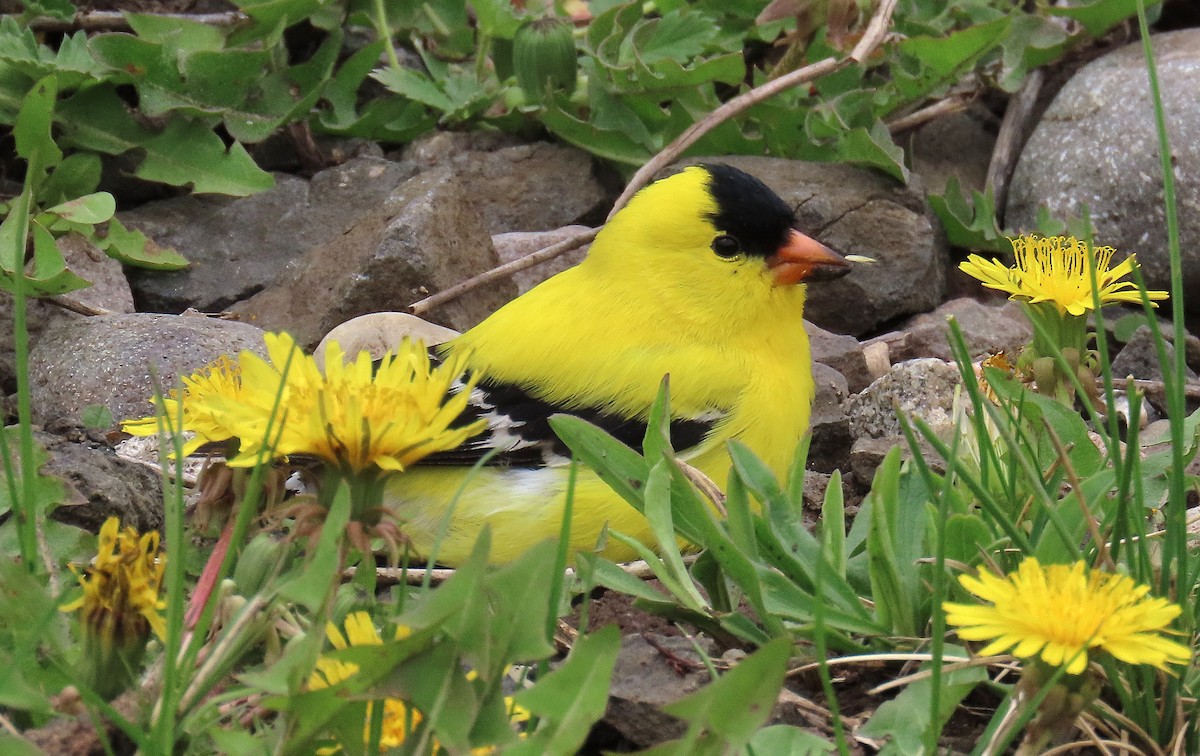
pixel 1013 130
pixel 952 104
pixel 873 37
pixel 71 304
pixel 507 269
pixel 97 21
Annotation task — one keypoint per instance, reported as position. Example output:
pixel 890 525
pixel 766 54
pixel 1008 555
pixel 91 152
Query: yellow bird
pixel 700 277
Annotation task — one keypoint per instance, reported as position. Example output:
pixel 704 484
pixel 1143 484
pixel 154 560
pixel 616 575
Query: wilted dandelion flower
pixel 120 605
pixel 1056 269
pixel 1059 613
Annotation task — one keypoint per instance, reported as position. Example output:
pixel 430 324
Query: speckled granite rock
pixel 117 360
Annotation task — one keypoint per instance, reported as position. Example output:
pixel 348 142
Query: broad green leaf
pixel 833 525
pixel 90 209
pixel 679 35
pixel 942 59
pixel 185 35
pixel 1099 16
pixel 50 275
pixel 78 174
pixel 188 153
pixel 63 10
pixel 966 537
pixel 903 720
pixel 98 119
pixel 791 740
pixel 733 707
pixel 31 133
pixel 570 699
pixel 131 247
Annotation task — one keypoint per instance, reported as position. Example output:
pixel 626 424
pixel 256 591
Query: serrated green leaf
pixel 415 86
pixel 131 247
pixel 679 35
pixel 97 416
pixel 971 225
pixel 189 153
pixel 496 18
pixel 942 59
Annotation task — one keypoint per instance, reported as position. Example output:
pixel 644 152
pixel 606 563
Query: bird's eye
pixel 727 246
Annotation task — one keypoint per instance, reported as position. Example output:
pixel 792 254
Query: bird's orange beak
pixel 803 258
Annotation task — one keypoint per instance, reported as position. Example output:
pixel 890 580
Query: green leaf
pixel 185 35
pixel 50 275
pixel 31 133
pixel 733 707
pixel 496 18
pixel 570 699
pixel 98 119
pixel 189 153
pixel 790 740
pixel 415 86
pixel 97 416
pixel 941 60
pixel 971 225
pixel 1099 16
pixel 90 209
pixel 78 174
pixel 679 35
pixel 131 247
pixel 903 720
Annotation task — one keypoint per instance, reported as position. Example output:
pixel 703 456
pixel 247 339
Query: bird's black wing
pixel 518 429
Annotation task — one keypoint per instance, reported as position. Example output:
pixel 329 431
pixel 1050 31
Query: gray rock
pixel 986 329
pixel 644 679
pixel 1097 145
pixel 867 455
pixel 920 388
pixel 99 485
pixel 516 186
pixel 856 211
pixel 842 353
pixel 517 244
pixel 109 291
pixel 958 145
pixel 238 247
pixel 116 360
pixel 831 438
pixel 1139 358
pixel 425 237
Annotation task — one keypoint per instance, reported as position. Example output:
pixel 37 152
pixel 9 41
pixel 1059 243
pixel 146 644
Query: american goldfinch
pixel 700 277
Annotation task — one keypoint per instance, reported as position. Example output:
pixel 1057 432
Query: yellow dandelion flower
pixel 1057 270
pixel 220 379
pixel 358 414
pixel 120 602
pixel 1060 612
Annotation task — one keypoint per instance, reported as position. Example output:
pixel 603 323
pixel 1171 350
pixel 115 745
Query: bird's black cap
pixel 748 210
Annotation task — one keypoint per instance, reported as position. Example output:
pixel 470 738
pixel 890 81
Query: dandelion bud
pixel 544 58
pixel 119 607
pixel 255 564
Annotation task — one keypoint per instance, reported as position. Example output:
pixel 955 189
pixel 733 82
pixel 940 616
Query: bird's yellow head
pixel 718 234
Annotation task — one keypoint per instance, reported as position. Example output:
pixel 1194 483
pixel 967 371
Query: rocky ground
pixel 380 230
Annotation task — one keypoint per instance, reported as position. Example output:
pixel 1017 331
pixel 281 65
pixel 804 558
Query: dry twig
pixel 99 21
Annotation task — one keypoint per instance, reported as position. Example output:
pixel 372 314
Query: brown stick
pixel 871 39
pixel 1013 130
